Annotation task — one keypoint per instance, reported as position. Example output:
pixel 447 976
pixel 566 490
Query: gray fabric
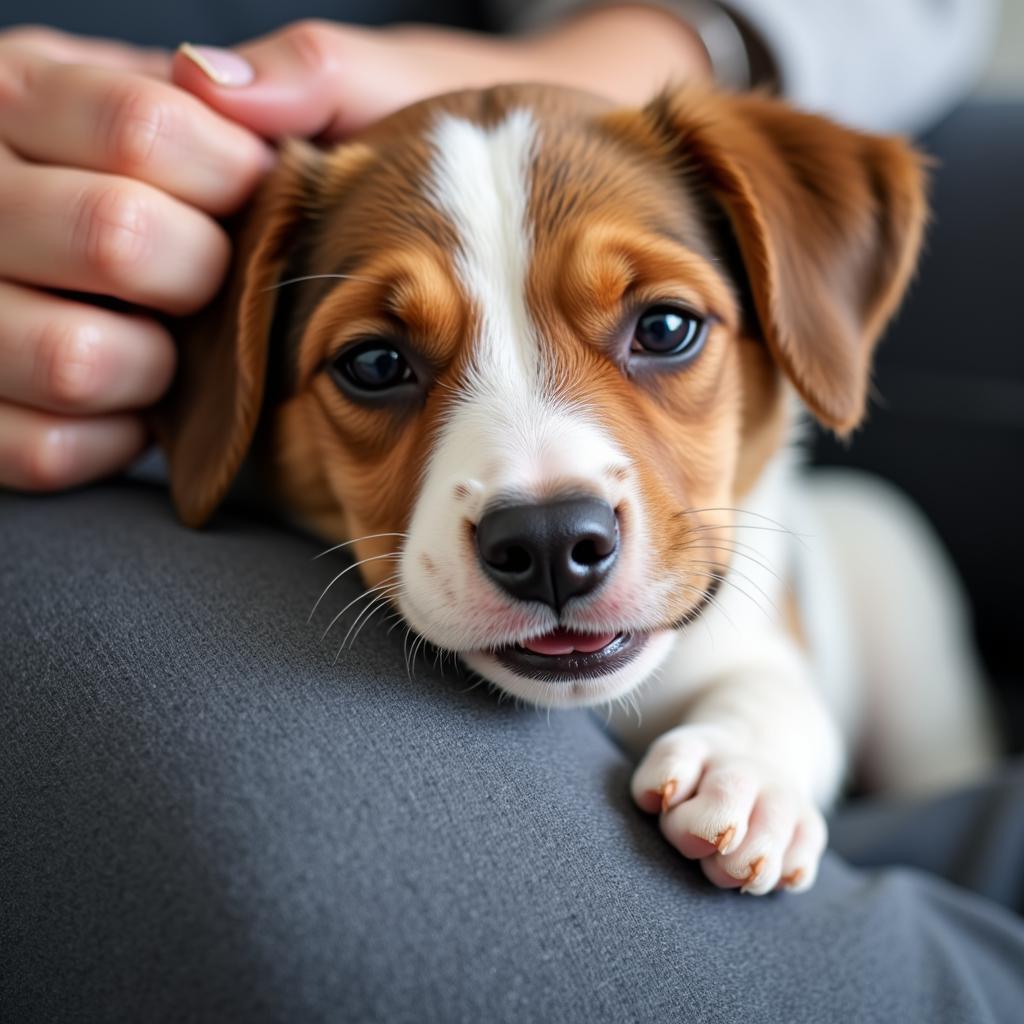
pixel 204 819
pixel 974 838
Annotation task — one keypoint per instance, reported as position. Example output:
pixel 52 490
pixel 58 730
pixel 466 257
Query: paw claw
pixel 667 791
pixel 755 870
pixel 725 838
pixel 792 880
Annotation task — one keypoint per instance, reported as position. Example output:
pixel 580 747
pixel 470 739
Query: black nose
pixel 549 552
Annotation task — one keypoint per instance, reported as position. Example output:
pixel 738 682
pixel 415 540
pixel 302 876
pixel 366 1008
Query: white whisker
pixel 378 603
pixel 738 511
pixel 322 277
pixel 727 547
pixel 744 576
pixel 748 526
pixel 405 651
pixel 357 540
pixel 358 597
pixel 479 680
pixel 703 595
pixel 355 565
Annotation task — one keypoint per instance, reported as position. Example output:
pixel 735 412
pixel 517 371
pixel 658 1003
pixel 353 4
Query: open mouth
pixel 564 654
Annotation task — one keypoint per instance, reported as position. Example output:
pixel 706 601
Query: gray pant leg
pixel 974 838
pixel 204 819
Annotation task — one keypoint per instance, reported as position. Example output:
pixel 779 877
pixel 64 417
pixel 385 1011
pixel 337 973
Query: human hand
pixel 110 180
pixel 325 80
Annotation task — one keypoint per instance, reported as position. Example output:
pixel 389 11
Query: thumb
pixel 296 82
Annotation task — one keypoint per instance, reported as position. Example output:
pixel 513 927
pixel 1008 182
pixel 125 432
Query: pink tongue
pixel 565 641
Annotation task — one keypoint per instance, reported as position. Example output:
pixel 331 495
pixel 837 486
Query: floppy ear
pixel 207 423
pixel 828 224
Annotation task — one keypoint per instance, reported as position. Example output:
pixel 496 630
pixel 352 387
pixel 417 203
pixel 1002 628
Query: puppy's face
pixel 529 352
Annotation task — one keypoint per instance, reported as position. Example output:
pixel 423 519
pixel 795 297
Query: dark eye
pixel 668 331
pixel 372 366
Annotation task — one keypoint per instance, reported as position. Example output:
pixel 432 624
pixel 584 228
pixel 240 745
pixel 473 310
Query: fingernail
pixel 224 67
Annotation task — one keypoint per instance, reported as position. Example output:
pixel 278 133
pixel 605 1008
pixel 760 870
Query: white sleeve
pixel 886 65
pixel 882 65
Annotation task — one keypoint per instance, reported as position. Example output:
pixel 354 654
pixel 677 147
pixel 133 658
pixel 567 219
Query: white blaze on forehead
pixel 481 181
pixel 507 433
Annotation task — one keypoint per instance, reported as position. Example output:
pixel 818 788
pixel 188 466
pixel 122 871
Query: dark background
pixel 225 22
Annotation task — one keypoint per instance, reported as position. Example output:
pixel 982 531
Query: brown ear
pixel 207 423
pixel 828 223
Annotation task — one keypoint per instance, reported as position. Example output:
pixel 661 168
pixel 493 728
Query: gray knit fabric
pixel 205 819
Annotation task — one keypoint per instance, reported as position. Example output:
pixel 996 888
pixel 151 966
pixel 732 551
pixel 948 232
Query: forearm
pixel 624 52
pixel 875 64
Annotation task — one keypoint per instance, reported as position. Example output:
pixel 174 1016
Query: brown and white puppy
pixel 536 358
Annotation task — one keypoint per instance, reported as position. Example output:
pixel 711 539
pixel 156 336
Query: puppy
pixel 539 360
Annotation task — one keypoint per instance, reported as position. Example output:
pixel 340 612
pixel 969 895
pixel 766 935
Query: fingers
pixel 307 80
pixel 69 357
pixel 69 49
pixel 41 452
pixel 109 183
pixel 104 120
pixel 111 236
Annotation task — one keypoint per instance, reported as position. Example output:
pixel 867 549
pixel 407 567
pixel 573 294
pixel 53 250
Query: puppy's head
pixel 529 348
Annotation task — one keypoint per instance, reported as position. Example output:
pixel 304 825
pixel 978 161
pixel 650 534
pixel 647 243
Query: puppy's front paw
pixel 749 827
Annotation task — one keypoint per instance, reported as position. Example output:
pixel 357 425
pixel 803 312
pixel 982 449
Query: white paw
pixel 749 826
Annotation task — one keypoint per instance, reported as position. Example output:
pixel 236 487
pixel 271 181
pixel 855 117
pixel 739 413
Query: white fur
pixel 922 722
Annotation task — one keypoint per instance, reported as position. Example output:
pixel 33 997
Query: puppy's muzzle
pixel 549 552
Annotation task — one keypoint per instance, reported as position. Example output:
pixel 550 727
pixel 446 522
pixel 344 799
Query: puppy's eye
pixel 372 366
pixel 669 331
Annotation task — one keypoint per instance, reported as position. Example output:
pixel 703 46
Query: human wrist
pixel 623 51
